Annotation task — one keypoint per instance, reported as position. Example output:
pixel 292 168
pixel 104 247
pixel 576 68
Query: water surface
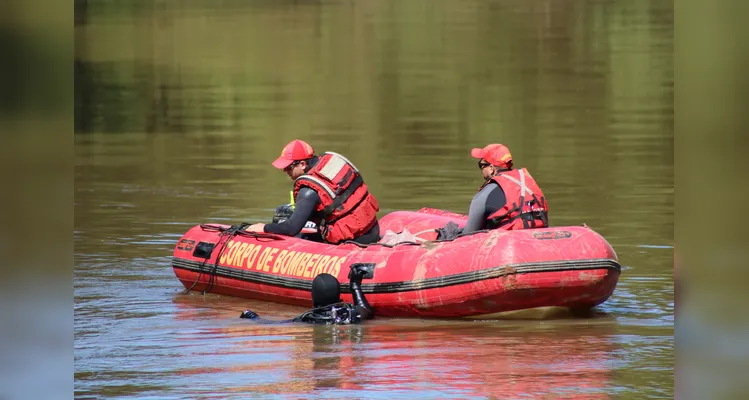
pixel 181 107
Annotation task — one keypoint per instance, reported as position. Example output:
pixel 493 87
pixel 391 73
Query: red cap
pixel 495 154
pixel 294 151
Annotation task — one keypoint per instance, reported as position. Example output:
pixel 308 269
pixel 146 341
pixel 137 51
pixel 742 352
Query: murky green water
pixel 181 107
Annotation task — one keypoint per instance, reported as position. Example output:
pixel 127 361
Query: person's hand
pixel 449 231
pixel 359 271
pixel 283 213
pixel 255 228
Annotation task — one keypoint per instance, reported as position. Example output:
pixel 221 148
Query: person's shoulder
pixel 488 187
pixel 308 192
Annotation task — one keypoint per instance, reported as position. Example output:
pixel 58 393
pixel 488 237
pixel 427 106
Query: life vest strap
pixel 332 167
pixel 523 187
pixel 320 183
pixel 527 218
pixel 342 197
pixel 344 159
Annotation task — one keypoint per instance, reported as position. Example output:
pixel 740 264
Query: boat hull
pixel 484 275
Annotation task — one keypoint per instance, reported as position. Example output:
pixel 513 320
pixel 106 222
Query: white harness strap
pixel 523 188
pixel 319 182
pixel 330 170
pixel 333 167
pixel 343 158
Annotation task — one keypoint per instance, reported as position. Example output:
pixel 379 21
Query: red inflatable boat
pixel 482 275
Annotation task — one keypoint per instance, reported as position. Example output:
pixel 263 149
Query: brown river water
pixel 181 106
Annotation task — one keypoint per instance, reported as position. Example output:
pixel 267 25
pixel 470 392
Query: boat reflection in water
pixel 407 358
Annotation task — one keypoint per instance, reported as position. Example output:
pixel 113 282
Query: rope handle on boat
pixel 238 230
pixel 226 234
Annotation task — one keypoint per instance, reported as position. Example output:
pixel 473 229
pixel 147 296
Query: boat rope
pixel 238 230
pixel 226 234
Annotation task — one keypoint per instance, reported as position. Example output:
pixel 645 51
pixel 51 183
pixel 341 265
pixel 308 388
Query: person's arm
pixel 306 203
pixel 361 303
pixel 488 199
pixel 249 314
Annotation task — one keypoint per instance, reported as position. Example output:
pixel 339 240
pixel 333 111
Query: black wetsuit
pixel 333 314
pixel 307 201
pixel 486 202
pixel 490 199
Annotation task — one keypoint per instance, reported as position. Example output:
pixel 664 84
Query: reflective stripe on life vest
pixel 524 201
pixel 347 208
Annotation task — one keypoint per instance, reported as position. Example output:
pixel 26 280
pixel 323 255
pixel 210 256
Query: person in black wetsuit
pixel 326 300
pixel 329 191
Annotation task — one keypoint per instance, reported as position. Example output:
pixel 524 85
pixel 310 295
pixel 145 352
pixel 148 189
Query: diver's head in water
pixel 325 290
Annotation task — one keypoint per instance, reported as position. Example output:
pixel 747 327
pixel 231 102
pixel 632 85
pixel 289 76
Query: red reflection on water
pixel 505 359
pixel 485 360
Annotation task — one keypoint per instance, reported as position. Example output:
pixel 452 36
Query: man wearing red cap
pixel 509 199
pixel 329 191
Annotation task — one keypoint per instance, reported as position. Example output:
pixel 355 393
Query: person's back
pixel 328 307
pixel 330 191
pixel 347 207
pixel 525 205
pixel 509 198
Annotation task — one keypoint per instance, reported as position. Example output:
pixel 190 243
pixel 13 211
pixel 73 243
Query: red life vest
pixel 525 207
pixel 348 209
